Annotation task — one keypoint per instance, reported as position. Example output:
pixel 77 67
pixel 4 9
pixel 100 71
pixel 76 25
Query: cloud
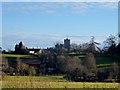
pixel 26 8
pixel 55 7
pixel 51 12
pixel 41 40
pixel 31 40
pixel 110 5
pixel 60 0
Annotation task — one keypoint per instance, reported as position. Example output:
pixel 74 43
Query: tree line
pixel 57 61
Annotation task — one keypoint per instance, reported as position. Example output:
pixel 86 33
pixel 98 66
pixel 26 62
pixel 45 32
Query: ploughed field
pixel 52 82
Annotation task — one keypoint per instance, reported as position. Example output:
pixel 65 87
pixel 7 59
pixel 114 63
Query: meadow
pixel 18 56
pixel 54 81
pixel 100 61
pixel 51 82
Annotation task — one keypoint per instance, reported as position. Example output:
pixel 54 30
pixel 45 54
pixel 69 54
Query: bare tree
pixel 22 68
pixel 115 71
pixel 68 64
pixel 5 64
pixel 18 65
pixel 72 63
pixel 31 71
pixel 91 63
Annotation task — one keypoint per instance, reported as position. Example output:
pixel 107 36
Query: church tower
pixel 67 43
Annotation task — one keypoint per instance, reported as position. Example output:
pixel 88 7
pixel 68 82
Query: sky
pixel 42 24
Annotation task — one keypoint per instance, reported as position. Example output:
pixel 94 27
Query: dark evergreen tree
pixel 21 45
pixel 0 49
pixel 118 49
pixel 21 49
pixel 110 45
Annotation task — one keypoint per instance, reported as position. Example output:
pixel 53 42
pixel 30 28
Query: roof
pixel 34 49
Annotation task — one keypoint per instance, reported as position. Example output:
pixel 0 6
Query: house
pixel 35 51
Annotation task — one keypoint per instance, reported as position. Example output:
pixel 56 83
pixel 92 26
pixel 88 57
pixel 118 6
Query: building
pixel 35 51
pixel 67 44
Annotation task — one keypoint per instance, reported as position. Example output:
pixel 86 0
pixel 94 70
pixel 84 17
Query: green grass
pixel 104 60
pixel 100 61
pixel 104 65
pixel 81 56
pixel 36 78
pixel 17 56
pixel 50 82
pixel 75 53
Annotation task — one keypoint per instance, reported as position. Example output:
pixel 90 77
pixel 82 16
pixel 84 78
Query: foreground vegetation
pixel 74 68
pixel 50 82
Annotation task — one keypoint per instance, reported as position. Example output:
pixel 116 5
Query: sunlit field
pixel 51 82
pixel 17 56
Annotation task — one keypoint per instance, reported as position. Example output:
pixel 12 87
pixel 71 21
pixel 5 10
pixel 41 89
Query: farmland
pixel 18 56
pixel 50 82
pixel 100 61
pixel 53 81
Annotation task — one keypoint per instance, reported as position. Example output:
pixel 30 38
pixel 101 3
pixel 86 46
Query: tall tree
pixel 0 49
pixel 59 49
pixel 21 45
pixel 71 64
pixel 118 49
pixel 93 46
pixel 18 65
pixel 74 68
pixel 24 69
pixel 21 49
pixel 91 63
pixel 110 45
pixel 31 71
pixel 115 70
pixel 5 64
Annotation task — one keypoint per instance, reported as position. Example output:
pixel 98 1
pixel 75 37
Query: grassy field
pixel 17 56
pixel 50 82
pixel 100 61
